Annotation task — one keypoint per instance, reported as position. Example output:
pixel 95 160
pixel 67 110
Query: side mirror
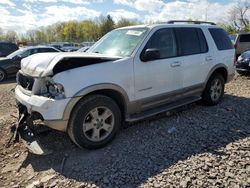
pixel 150 54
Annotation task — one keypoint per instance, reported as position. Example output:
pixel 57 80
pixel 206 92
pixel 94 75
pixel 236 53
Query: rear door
pixel 195 56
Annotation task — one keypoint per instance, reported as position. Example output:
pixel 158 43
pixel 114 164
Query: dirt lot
pixel 198 146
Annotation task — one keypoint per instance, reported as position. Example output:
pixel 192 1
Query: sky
pixel 24 15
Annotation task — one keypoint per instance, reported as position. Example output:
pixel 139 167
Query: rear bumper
pixel 50 110
pixel 244 67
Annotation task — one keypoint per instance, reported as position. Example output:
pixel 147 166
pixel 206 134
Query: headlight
pixel 55 90
pixel 239 58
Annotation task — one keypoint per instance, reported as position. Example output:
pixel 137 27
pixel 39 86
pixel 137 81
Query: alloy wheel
pixel 98 124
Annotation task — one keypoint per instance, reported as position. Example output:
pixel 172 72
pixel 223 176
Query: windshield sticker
pixel 134 32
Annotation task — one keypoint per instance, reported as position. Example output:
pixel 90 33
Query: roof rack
pixel 190 21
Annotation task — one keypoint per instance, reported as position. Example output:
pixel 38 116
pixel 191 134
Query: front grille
pixel 25 81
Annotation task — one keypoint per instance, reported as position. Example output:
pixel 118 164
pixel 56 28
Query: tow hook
pixel 24 129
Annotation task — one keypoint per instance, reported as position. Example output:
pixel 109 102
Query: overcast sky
pixel 22 15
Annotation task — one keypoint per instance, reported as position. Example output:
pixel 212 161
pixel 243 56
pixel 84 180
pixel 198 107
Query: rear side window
pixel 191 41
pixel 244 38
pixel 221 39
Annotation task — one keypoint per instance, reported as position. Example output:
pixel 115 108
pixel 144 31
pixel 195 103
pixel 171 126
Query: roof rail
pixel 190 21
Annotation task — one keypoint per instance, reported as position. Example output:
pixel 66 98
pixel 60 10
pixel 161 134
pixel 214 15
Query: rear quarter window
pixel 245 38
pixel 221 39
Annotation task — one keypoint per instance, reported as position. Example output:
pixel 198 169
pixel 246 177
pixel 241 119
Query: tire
pixel 214 90
pixel 3 75
pixel 94 122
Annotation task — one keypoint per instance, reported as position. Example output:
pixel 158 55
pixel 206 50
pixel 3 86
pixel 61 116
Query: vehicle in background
pixel 241 43
pixel 10 65
pixel 87 44
pixel 61 45
pixel 7 48
pixel 243 63
pixel 232 38
pixel 70 48
pixel 83 49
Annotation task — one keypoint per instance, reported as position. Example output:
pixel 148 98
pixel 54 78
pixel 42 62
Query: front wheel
pixel 214 90
pixel 94 122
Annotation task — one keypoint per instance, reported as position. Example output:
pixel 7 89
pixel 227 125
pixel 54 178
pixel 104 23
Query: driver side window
pixel 164 41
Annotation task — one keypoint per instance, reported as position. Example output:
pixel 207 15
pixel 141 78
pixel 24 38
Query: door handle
pixel 209 58
pixel 175 64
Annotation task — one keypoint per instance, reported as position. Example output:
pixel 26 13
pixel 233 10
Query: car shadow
pixel 146 148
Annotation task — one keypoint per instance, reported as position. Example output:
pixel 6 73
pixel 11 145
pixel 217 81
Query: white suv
pixel 131 73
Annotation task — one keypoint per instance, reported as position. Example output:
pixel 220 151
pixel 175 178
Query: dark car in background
pixel 7 48
pixel 10 65
pixel 83 49
pixel 243 63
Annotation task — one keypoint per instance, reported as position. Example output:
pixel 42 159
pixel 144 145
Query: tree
pixel 123 22
pixel 1 34
pixel 107 24
pixel 11 36
pixel 239 15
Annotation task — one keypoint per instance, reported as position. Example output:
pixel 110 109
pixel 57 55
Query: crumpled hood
pixel 41 65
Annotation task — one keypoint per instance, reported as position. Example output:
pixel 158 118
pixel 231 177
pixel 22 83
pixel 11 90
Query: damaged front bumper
pixel 33 107
pixel 51 110
pixel 24 129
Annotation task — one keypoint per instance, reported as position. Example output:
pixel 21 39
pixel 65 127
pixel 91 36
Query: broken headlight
pixel 55 90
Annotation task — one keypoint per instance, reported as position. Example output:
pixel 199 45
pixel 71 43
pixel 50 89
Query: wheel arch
pixel 221 69
pixel 113 91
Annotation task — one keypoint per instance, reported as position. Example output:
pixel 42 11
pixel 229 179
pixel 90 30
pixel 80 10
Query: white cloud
pixel 52 14
pixel 121 13
pixel 192 9
pixel 149 5
pixel 7 2
pixel 124 2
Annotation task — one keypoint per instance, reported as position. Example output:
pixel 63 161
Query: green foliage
pixel 85 30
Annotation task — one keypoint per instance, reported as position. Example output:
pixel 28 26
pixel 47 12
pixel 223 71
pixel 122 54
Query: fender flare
pixel 97 87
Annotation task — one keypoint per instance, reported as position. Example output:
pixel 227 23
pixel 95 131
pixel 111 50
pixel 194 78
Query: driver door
pixel 158 81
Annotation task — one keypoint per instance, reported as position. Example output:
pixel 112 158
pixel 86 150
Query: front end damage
pixel 24 130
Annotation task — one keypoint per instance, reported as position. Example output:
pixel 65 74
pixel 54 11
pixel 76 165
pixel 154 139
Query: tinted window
pixel 188 40
pixel 164 41
pixel 244 38
pixel 203 42
pixel 221 39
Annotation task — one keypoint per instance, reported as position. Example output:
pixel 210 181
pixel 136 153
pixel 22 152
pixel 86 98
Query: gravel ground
pixel 196 146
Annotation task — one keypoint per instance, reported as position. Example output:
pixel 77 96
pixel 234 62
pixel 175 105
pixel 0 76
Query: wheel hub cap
pixel 98 124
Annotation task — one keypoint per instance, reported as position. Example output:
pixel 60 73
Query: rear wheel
pixel 214 90
pixel 2 75
pixel 95 121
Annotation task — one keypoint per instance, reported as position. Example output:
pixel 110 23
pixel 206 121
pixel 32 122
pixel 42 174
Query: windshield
pixel 16 53
pixel 120 42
